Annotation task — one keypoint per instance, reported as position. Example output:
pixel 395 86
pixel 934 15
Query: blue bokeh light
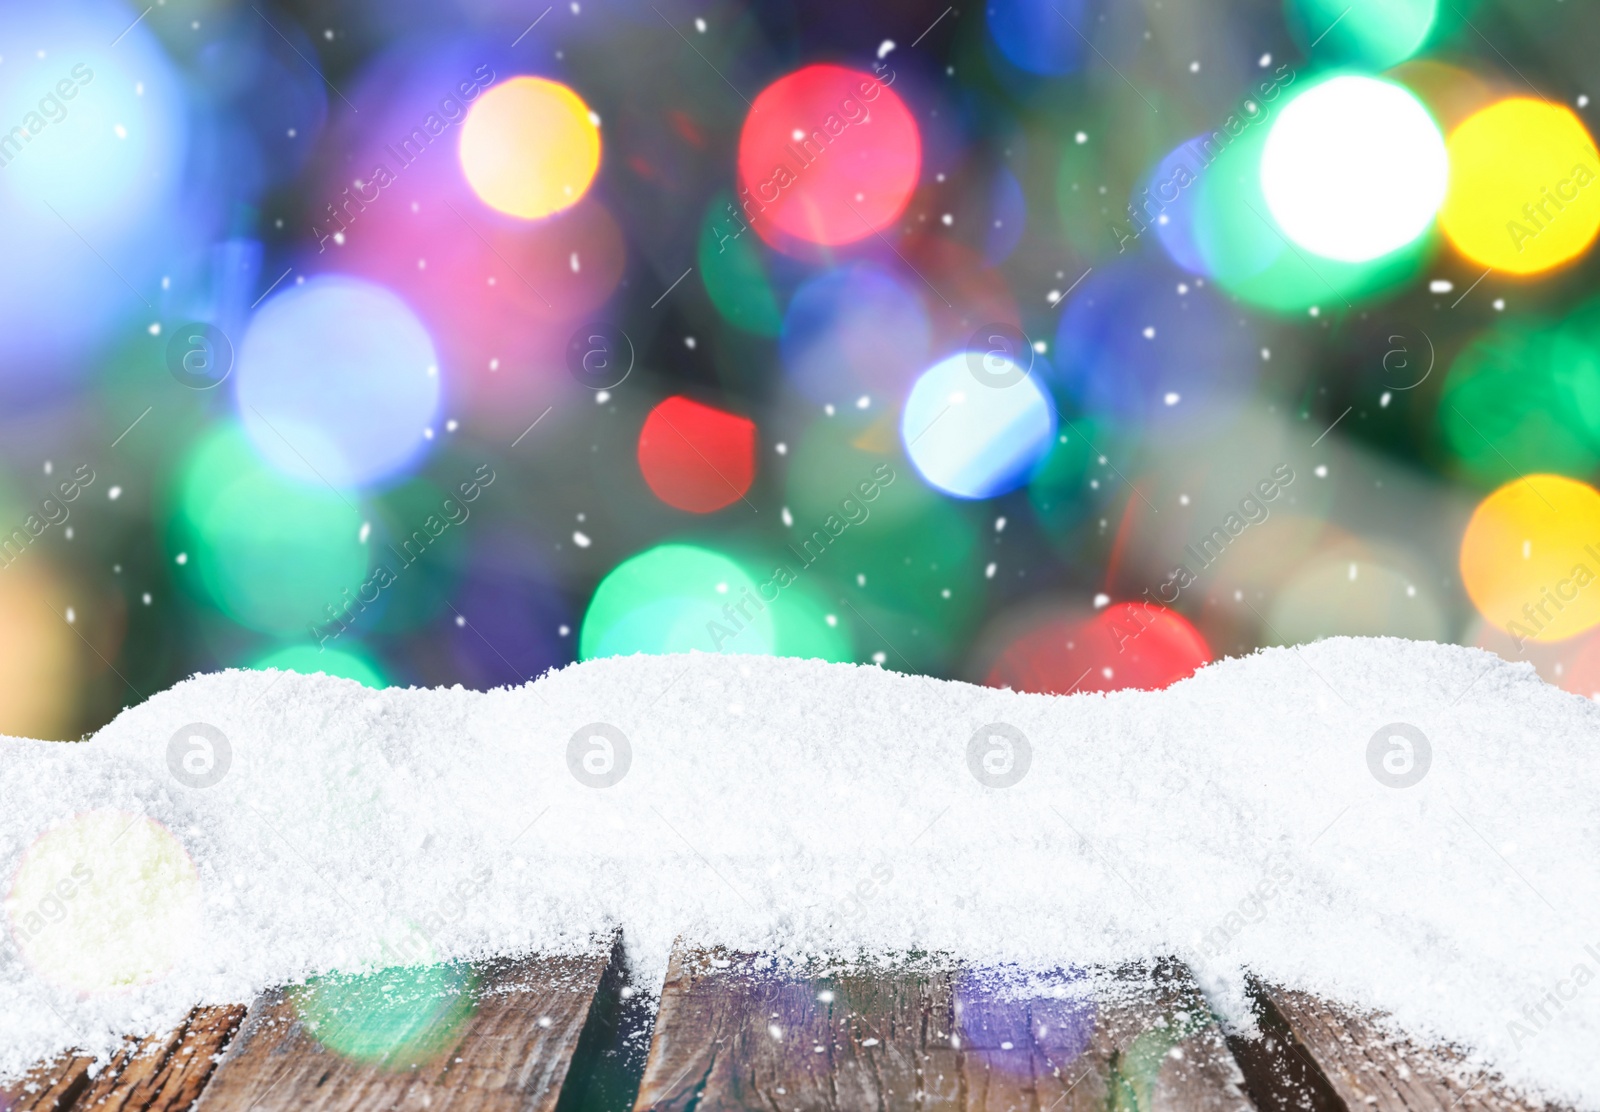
pixel 338 382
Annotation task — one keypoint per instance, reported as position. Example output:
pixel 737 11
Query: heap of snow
pixel 1400 826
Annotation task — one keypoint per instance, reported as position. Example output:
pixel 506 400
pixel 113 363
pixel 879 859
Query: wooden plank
pixel 1371 1068
pixel 165 1073
pixel 492 1037
pixel 1279 1073
pixel 731 1034
pixel 48 1087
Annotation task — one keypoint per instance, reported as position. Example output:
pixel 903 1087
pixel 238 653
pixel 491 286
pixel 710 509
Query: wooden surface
pixel 496 1038
pixel 733 1034
pixel 1371 1069
pixel 729 1035
pixel 165 1073
pixel 49 1087
pixel 162 1073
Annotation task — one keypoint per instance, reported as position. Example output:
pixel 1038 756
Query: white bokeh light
pixel 1354 168
pixel 977 433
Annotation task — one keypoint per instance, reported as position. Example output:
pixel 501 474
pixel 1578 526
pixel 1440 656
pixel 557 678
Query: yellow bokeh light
pixel 1530 558
pixel 1524 187
pixel 530 147
pixel 105 901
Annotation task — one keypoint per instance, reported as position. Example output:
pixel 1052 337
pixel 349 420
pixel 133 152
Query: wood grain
pixel 1370 1068
pixel 164 1073
pixel 496 1037
pixel 731 1034
pixel 49 1087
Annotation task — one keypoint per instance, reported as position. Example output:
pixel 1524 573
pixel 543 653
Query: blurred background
pixel 1061 345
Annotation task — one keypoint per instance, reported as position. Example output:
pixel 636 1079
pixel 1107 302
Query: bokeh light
pixel 853 331
pixel 1213 246
pixel 1251 256
pixel 976 434
pixel 107 900
pixel 95 148
pixel 272 552
pixel 337 382
pixel 38 656
pixel 1375 34
pixel 828 155
pixel 1126 645
pixel 1036 35
pixel 809 627
pixel 396 1018
pixel 1521 397
pixel 674 598
pixel 697 457
pixel 1529 559
pixel 1522 196
pixel 1354 168
pixel 1171 185
pixel 530 147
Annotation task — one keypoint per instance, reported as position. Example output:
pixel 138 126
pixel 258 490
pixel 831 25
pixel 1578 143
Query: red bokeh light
pixel 695 457
pixel 1126 645
pixel 827 156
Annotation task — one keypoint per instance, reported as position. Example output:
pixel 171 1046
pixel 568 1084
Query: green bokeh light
pixel 395 1018
pixel 1375 34
pixel 1249 255
pixel 802 615
pixel 269 551
pixel 308 660
pixel 734 275
pixel 1525 397
pixel 671 599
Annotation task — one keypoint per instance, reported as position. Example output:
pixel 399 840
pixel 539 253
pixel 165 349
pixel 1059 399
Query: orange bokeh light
pixel 1530 558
